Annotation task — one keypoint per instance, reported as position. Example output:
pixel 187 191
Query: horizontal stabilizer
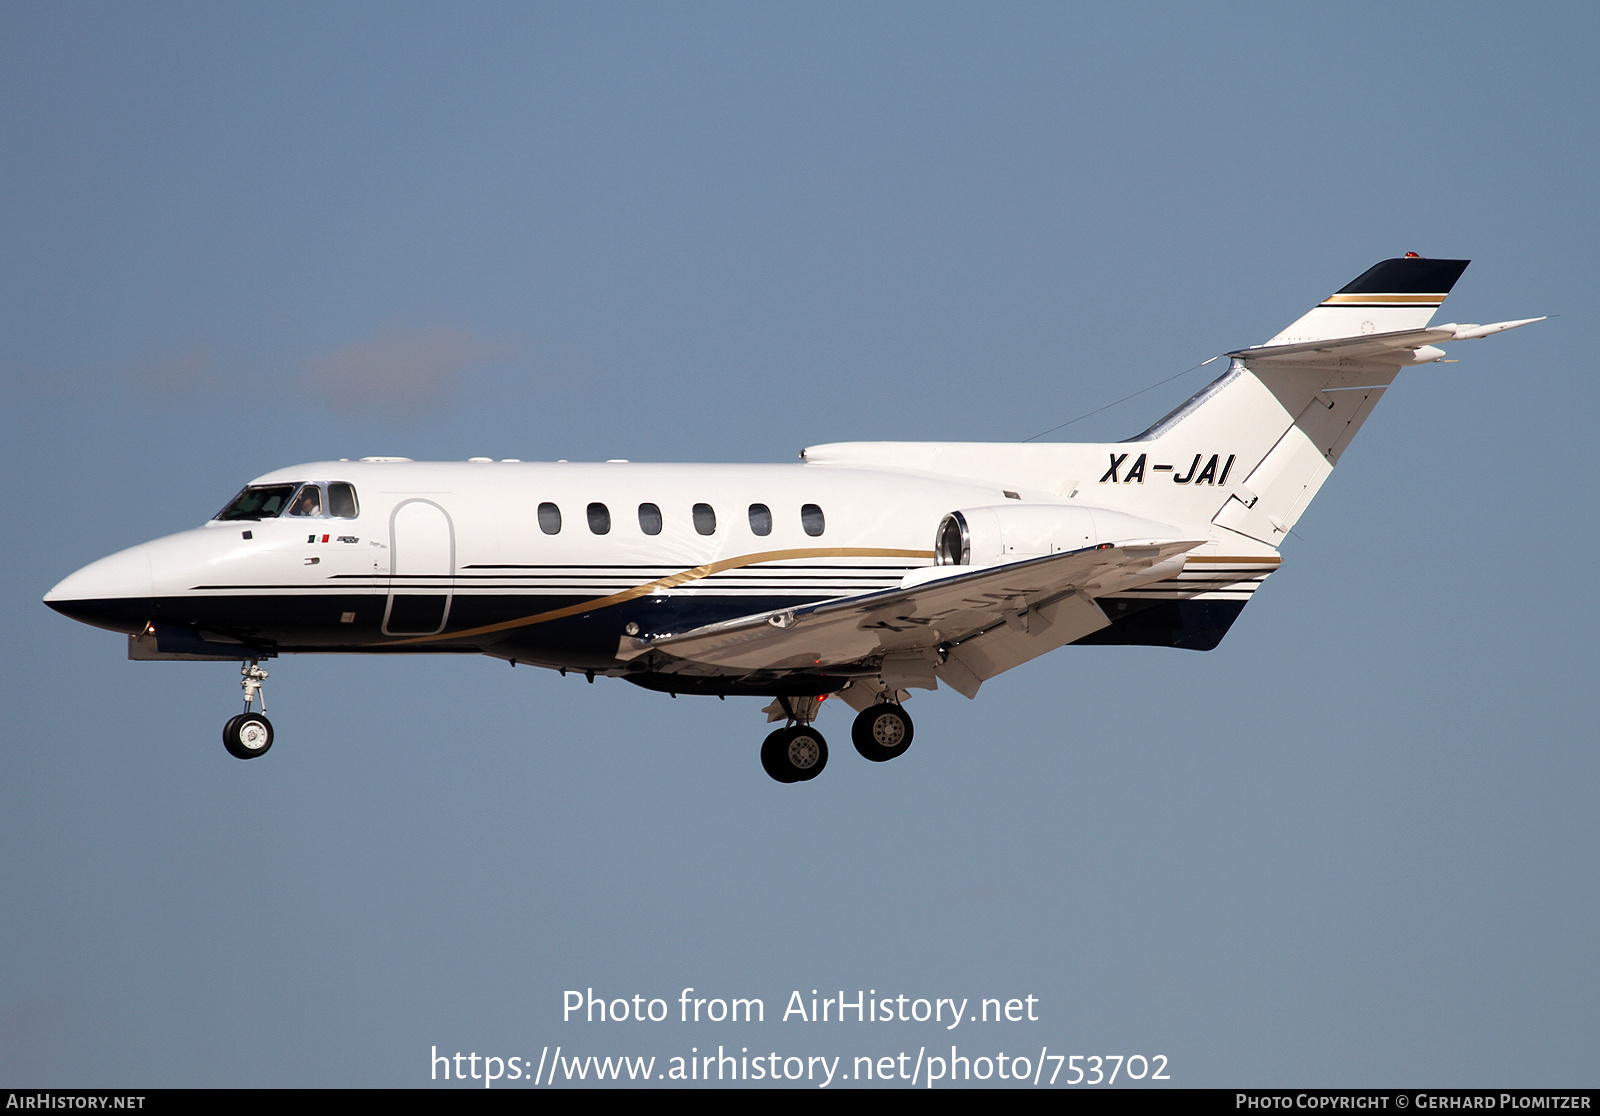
pixel 1406 346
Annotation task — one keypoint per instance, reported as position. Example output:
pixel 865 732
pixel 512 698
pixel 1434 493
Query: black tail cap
pixel 1410 275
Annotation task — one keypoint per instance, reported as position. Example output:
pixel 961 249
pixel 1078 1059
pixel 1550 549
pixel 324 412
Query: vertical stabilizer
pixel 1286 411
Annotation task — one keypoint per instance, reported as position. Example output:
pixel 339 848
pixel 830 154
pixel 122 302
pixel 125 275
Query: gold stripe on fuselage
pixel 669 582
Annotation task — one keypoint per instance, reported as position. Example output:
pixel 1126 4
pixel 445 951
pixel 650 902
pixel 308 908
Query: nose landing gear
pixel 249 734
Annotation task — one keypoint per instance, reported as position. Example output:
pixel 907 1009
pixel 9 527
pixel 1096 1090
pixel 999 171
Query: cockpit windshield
pixel 264 501
pixel 268 501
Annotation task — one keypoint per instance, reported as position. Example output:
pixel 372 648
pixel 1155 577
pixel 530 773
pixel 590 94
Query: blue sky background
pixel 1355 845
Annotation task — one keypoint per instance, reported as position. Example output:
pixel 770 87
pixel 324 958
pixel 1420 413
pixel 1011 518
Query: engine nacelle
pixel 1012 532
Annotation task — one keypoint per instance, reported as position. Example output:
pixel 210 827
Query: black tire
pixel 247 736
pixel 794 755
pixel 882 732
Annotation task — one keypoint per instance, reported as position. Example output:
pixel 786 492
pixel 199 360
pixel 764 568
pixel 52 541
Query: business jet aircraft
pixel 870 569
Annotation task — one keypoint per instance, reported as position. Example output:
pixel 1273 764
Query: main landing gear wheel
pixel 882 732
pixel 247 736
pixel 793 755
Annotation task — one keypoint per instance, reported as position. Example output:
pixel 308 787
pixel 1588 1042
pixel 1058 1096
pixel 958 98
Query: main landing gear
pixel 794 754
pixel 882 732
pixel 249 734
pixel 798 752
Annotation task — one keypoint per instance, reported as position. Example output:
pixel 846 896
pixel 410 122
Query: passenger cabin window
pixel 342 500
pixel 599 519
pixel 549 518
pixel 705 519
pixel 650 519
pixel 760 519
pixel 811 519
pixel 308 502
pixel 263 501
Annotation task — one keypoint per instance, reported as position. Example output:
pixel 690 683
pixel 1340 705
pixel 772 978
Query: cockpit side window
pixel 264 501
pixel 342 500
pixel 308 502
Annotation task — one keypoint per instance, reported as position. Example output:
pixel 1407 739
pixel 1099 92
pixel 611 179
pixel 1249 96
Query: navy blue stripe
pixel 1407 276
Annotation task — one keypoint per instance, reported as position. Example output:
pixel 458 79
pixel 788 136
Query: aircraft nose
pixel 113 593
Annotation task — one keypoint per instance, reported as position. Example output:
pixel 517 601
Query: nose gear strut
pixel 249 734
pixel 251 678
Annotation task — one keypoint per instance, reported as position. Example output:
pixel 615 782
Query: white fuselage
pixel 458 557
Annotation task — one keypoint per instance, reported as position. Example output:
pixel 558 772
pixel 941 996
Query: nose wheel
pixel 249 734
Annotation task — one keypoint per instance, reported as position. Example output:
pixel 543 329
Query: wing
pixel 959 624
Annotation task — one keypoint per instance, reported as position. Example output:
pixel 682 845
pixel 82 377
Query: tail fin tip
pixel 1408 275
pixel 1392 295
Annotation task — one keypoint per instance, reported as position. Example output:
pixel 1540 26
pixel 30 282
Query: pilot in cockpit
pixel 308 503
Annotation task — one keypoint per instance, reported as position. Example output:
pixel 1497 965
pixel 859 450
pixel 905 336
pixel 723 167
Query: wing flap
pixel 997 650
